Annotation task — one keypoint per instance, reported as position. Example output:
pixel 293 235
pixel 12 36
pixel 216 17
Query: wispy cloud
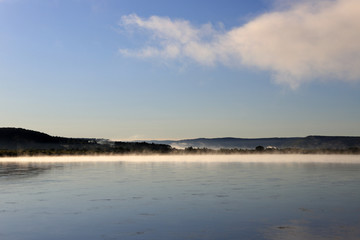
pixel 309 40
pixel 172 39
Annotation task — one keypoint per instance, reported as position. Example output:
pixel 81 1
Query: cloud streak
pixel 310 40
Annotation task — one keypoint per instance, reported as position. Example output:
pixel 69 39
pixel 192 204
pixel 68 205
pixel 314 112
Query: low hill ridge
pixel 19 138
pixel 309 142
pixel 13 140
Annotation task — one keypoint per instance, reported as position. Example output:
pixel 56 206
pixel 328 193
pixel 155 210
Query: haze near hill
pixel 310 142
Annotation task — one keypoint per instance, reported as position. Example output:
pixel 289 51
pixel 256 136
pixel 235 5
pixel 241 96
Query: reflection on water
pixel 223 199
pixel 12 170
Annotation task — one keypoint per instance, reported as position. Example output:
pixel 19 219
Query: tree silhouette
pixel 259 148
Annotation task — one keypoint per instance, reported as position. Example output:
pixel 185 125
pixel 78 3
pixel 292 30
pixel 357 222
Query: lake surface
pixel 181 197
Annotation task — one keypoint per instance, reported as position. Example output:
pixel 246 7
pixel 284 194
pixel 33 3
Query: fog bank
pixel 243 158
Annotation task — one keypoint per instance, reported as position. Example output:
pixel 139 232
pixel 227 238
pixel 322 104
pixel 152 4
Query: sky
pixel 160 69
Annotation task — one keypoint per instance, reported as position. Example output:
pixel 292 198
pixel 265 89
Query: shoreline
pixel 173 151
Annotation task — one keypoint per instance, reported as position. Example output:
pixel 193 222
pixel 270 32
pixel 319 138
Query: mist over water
pixel 265 158
pixel 262 197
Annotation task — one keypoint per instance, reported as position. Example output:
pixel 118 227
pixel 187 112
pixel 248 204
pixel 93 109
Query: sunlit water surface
pixel 181 197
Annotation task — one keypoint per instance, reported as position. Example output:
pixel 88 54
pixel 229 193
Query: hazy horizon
pixel 141 70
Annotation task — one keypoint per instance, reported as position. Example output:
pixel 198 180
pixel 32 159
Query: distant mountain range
pixel 18 138
pixel 310 142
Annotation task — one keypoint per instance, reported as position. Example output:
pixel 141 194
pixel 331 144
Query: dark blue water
pixel 180 200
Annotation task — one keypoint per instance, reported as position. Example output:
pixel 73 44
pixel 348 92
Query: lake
pixel 180 197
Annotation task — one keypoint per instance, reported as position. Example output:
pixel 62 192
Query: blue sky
pixel 180 69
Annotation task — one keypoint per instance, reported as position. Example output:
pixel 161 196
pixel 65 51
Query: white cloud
pixel 306 41
pixel 171 38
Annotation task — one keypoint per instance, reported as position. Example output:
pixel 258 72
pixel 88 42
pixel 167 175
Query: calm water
pixel 201 197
